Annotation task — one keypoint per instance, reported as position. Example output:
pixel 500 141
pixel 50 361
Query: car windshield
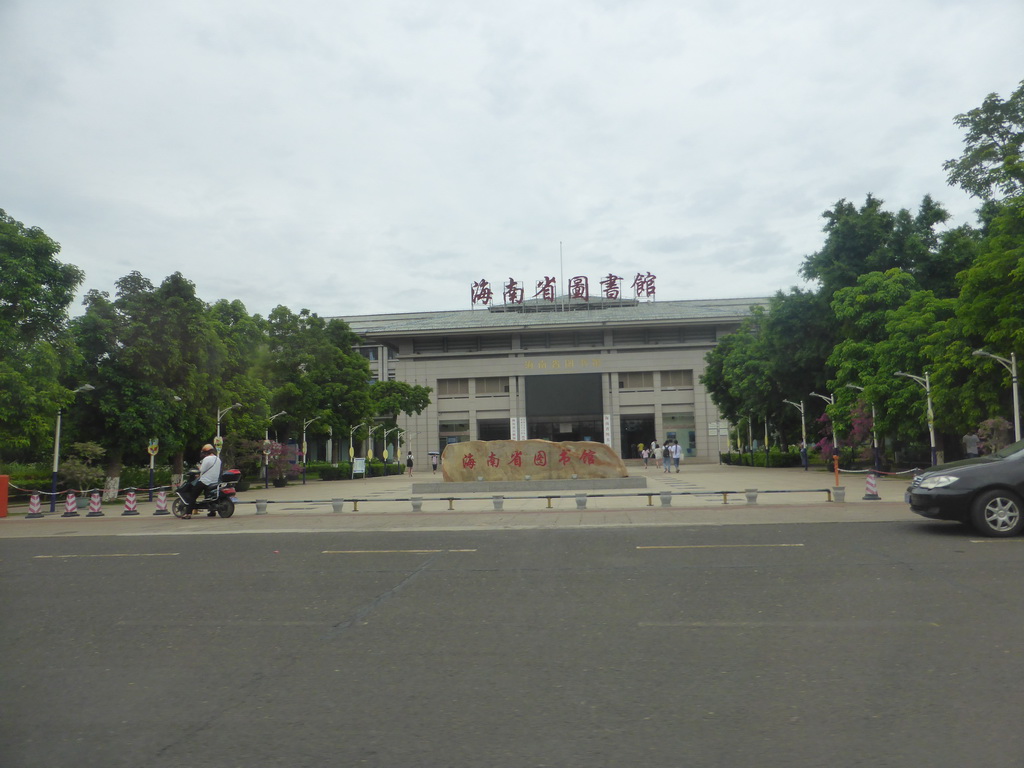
pixel 1010 450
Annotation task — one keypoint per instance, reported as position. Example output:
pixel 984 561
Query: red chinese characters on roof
pixel 481 293
pixel 643 285
pixel 513 292
pixel 546 289
pixel 611 286
pixel 579 288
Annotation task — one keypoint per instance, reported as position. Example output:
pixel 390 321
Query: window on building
pixel 455 431
pixel 636 380
pixel 492 385
pixel 494 429
pixel 677 379
pixel 452 387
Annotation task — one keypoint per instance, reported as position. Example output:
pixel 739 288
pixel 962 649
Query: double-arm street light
pixel 803 430
pixel 1011 366
pixel 266 448
pixel 220 414
pixel 352 449
pixel 305 424
pixel 386 433
pixel 926 383
pixel 874 432
pixel 56 450
pixel 369 440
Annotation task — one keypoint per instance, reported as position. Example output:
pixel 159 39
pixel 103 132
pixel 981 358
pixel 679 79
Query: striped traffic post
pixel 161 503
pixel 35 508
pixel 70 505
pixel 871 488
pixel 95 505
pixel 130 504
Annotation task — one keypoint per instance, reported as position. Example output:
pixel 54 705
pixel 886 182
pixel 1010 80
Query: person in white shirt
pixel 677 453
pixel 209 476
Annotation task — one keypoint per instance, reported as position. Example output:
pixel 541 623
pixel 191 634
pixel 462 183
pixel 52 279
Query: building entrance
pixel 563 407
pixel 636 430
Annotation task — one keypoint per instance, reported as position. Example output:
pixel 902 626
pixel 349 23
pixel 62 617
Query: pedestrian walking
pixel 677 454
pixel 645 454
pixel 666 457
pixel 408 464
pixel 433 463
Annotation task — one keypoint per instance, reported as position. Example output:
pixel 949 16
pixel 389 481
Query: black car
pixel 987 492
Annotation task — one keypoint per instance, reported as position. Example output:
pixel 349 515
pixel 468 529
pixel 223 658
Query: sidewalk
pixel 702 494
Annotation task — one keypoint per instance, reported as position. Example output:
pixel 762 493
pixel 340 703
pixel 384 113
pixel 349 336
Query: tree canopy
pixel 897 292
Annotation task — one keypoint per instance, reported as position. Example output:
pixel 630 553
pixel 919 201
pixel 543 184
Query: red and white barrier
pixel 95 505
pixel 70 505
pixel 130 505
pixel 161 503
pixel 35 508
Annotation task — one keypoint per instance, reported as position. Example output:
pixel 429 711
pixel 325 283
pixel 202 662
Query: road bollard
pixel 581 501
pixel 70 506
pixel 839 494
pixel 35 507
pixel 337 504
pixel 666 498
pixel 751 495
pixel 417 503
pixel 95 505
pixel 161 503
pixel 871 489
pixel 130 504
pixel 261 506
pixel 498 502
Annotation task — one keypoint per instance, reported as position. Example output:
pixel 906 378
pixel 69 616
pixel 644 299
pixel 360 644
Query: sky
pixel 361 157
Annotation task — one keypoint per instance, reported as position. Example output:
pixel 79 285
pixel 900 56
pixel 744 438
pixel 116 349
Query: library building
pixel 620 371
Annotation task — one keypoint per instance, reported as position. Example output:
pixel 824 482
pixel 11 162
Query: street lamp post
pixel 352 450
pixel 222 411
pixel 874 432
pixel 369 441
pixel 56 450
pixel 803 431
pixel 304 452
pixel 831 400
pixel 926 383
pixel 386 433
pixel 1011 366
pixel 266 448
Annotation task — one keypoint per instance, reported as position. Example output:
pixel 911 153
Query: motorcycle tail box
pixel 231 476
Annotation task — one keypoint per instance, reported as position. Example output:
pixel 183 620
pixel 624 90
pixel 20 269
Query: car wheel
pixel 998 513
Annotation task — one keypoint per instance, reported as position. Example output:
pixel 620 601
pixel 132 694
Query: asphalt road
pixel 842 644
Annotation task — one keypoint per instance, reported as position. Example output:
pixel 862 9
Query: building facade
pixel 620 371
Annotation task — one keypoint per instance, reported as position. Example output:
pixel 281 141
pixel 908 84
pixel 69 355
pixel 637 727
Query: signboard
pixel 359 467
pixel 218 443
pixel 154 447
pixel 577 287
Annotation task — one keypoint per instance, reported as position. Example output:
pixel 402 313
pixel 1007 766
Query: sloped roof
pixel 554 315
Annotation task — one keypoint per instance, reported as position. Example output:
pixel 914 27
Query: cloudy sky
pixel 357 157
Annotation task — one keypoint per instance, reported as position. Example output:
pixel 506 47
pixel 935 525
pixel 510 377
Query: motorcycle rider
pixel 209 476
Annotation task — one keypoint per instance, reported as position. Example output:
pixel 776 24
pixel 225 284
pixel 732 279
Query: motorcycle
pixel 219 499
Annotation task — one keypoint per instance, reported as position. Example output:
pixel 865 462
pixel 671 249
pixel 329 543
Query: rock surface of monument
pixel 503 460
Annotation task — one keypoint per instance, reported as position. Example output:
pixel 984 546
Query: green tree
pixel 390 398
pixel 154 355
pixel 35 350
pixel 315 372
pixel 991 164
